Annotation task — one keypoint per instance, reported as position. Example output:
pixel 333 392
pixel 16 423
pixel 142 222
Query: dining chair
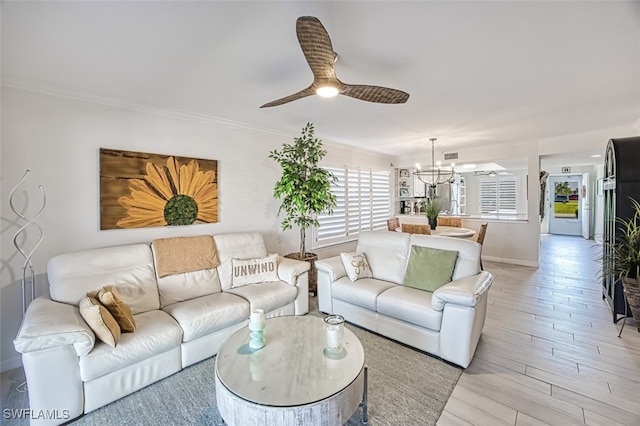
pixel 481 233
pixel 450 221
pixel 393 224
pixel 480 238
pixel 416 229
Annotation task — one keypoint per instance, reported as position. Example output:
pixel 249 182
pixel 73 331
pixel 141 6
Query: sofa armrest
pixel 463 291
pixel 290 269
pixel 48 324
pixel 333 267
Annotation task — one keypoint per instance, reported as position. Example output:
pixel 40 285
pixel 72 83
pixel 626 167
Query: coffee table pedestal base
pixel 335 410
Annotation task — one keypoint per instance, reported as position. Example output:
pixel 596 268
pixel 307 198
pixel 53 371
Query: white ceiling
pixel 478 72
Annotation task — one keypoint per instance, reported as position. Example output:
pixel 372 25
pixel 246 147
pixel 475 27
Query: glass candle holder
pixel 334 333
pixel 256 327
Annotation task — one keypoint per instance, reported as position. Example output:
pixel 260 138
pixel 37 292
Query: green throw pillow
pixel 429 268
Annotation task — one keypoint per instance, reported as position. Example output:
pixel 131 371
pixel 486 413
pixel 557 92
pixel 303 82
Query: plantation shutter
pixel 335 226
pixel 498 194
pixel 364 203
pixel 488 195
pixel 380 200
pixel 507 193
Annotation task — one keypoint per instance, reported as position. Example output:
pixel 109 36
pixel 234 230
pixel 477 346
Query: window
pixel 499 195
pixel 363 203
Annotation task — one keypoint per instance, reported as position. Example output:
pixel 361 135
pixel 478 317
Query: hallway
pixel 549 352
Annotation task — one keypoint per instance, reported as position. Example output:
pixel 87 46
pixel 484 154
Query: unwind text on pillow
pixel 244 270
pixel 253 271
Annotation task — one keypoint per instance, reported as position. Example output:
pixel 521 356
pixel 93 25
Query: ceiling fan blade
pixel 318 51
pixel 298 95
pixel 316 46
pixel 383 95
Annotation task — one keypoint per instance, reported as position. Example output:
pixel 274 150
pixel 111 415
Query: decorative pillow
pixel 253 271
pixel 429 268
pixel 100 320
pixel 110 299
pixel 356 266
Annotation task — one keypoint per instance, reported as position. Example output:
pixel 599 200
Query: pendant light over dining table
pixel 436 174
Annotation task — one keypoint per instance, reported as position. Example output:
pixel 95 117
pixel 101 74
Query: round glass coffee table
pixel 290 380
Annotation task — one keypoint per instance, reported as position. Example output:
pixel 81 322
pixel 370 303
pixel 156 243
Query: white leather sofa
pixel 446 323
pixel 180 319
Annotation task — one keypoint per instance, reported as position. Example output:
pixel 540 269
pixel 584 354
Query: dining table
pixel 450 231
pixel 453 231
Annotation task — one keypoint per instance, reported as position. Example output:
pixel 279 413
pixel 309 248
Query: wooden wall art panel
pixel 140 190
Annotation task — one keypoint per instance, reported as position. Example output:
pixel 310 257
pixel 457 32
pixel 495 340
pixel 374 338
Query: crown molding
pixel 123 103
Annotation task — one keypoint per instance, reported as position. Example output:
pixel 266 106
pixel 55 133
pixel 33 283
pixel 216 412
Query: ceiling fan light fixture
pixel 327 91
pixel 318 51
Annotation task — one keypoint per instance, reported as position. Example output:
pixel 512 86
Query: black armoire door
pixel 621 182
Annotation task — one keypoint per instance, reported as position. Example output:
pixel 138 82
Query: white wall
pixel 58 140
pixel 598 206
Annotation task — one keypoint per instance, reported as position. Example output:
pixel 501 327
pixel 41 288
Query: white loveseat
pixel 446 322
pixel 180 319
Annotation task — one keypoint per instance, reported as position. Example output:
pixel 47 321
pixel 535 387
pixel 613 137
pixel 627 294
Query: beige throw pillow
pixel 253 271
pixel 110 299
pixel 356 266
pixel 100 320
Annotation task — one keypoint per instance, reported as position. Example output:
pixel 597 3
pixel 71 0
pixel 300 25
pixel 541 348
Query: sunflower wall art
pixel 140 190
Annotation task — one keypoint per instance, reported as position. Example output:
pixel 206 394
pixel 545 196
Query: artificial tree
pixel 305 187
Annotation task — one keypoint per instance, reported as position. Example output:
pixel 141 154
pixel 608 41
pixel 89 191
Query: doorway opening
pixel 568 205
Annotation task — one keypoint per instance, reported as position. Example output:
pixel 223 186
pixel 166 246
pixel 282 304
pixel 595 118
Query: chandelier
pixel 435 175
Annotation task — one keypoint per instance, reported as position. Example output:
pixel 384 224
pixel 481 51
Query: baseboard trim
pixel 511 261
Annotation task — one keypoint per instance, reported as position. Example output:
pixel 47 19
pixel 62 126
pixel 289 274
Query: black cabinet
pixel 621 181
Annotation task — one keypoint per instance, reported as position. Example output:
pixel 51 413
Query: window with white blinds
pixel 498 195
pixel 363 203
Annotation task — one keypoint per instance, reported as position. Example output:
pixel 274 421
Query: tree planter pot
pixel 313 272
pixel 631 289
pixel 433 223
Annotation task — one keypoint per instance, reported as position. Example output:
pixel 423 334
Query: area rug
pixel 406 387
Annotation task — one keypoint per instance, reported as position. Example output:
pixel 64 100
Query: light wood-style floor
pixel 549 352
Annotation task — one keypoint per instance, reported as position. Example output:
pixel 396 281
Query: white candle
pixel 257 315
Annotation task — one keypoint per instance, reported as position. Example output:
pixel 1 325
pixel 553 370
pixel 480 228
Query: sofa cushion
pixel 266 296
pixel 129 268
pixel 100 320
pixel 254 271
pixel 429 268
pixel 187 280
pixel 468 262
pixel 410 305
pixel 110 299
pixel 204 315
pixel 386 253
pixel 189 285
pixel 362 293
pixel 156 333
pixel 356 265
pixel 241 245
